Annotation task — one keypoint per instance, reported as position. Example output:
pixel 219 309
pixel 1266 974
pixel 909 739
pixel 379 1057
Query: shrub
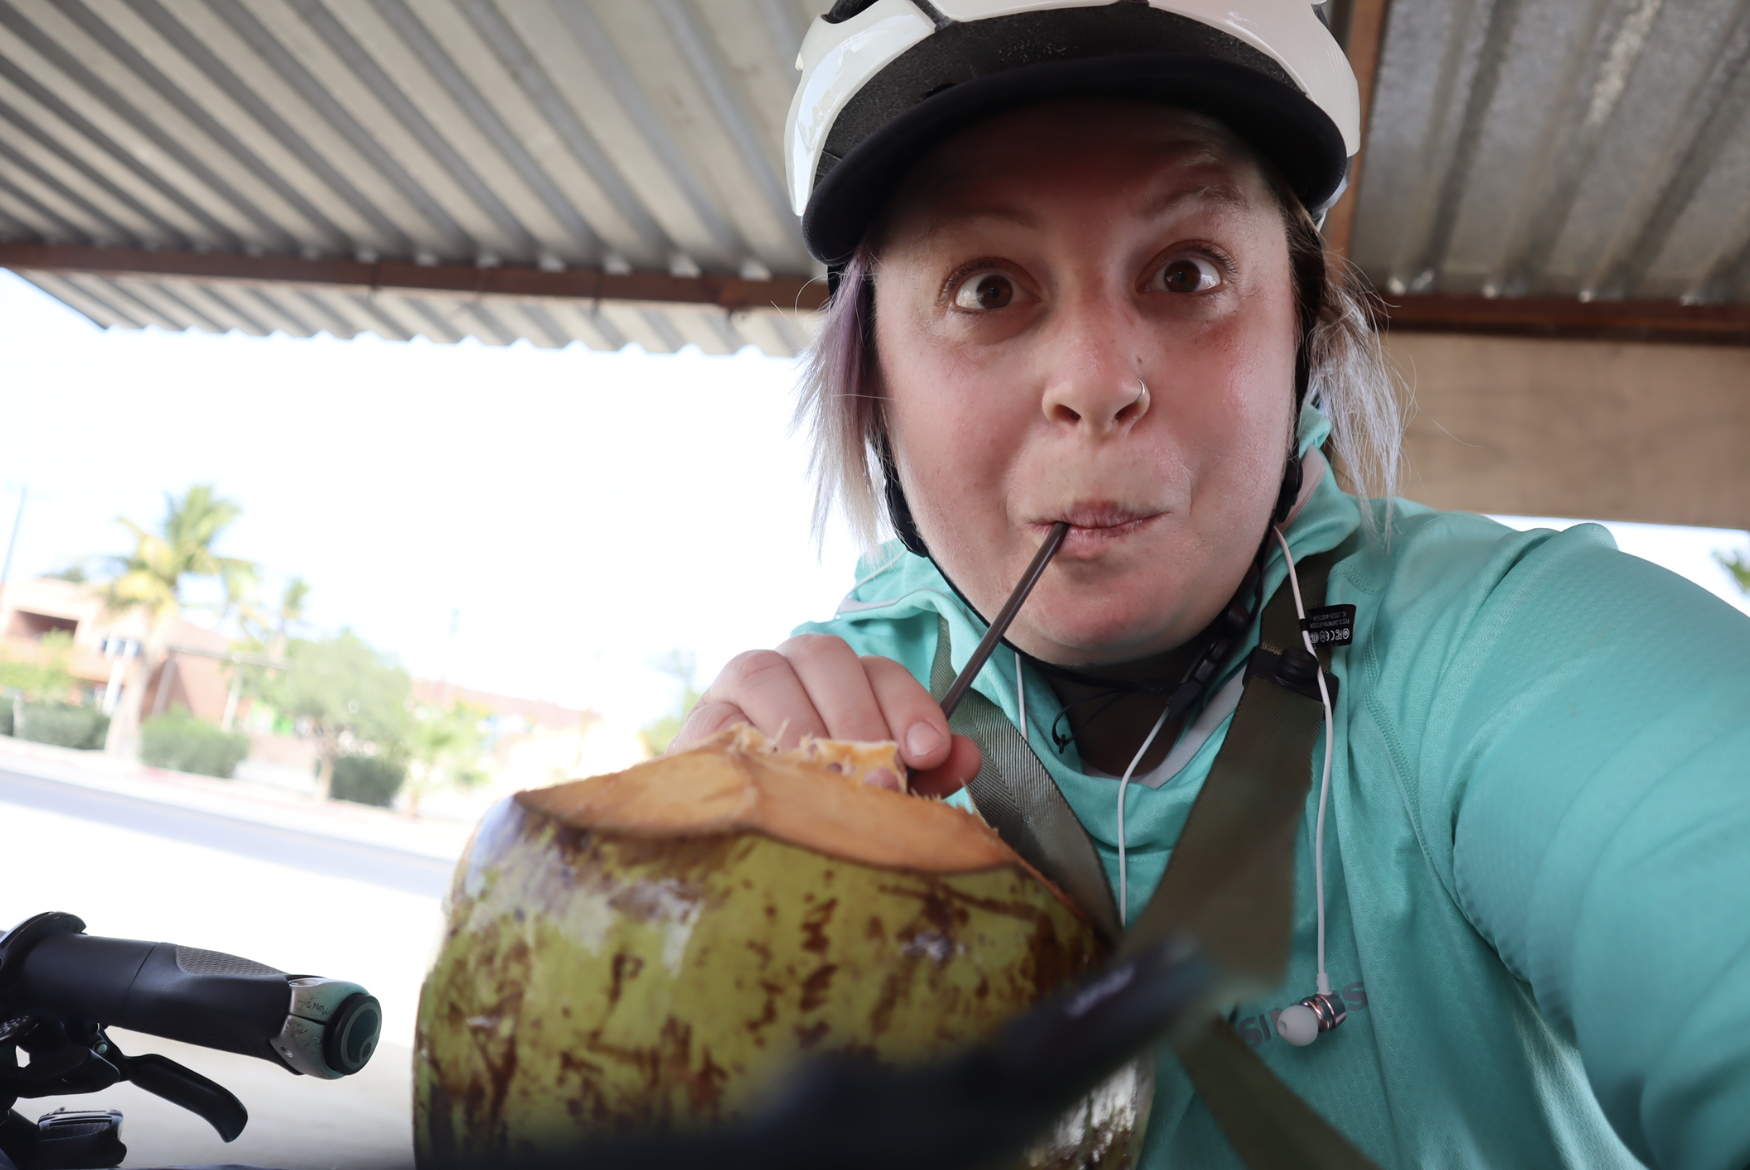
pixel 368 779
pixel 5 715
pixel 46 676
pixel 62 725
pixel 180 741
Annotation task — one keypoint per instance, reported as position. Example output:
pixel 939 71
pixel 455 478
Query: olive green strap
pixel 1018 798
pixel 1230 881
pixel 1269 1127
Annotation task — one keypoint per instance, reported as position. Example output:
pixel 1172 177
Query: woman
pixel 1077 279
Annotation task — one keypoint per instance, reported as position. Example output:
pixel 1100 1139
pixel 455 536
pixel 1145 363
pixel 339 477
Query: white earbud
pixel 1298 1025
pixel 1301 1024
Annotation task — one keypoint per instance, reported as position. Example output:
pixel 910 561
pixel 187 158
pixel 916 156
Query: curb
pixel 242 800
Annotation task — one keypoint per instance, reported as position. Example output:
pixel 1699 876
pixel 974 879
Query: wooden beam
pixel 728 292
pixel 1556 317
pixel 1363 37
pixel 1605 431
pixel 1552 317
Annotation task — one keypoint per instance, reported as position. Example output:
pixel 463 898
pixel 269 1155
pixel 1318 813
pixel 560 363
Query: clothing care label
pixel 1330 625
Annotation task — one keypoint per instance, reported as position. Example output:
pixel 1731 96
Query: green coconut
pixel 660 946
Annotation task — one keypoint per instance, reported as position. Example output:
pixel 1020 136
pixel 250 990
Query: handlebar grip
pixel 319 1027
pixel 181 993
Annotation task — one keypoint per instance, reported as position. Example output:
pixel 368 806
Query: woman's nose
pixel 1093 386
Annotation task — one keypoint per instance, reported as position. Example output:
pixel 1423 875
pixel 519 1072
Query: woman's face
pixel 1036 273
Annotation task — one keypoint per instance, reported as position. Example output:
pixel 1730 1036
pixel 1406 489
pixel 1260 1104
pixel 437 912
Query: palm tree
pixel 264 631
pixel 1737 564
pixel 150 579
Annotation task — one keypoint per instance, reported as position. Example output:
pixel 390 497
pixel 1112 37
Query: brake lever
pixel 180 1085
pixel 84 1059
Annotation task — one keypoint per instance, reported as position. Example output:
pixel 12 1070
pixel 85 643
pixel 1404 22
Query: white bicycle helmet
pixel 883 80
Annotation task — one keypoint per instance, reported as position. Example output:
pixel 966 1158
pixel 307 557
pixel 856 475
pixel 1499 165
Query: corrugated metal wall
pixel 1589 148
pixel 622 134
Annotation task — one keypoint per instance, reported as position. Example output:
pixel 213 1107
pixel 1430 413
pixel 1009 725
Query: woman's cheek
pixel 1247 420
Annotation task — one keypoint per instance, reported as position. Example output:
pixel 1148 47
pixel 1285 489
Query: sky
pixel 585 513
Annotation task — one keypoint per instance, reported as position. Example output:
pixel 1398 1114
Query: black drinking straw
pixel 998 627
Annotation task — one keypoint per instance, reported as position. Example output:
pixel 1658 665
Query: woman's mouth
pixel 1096 525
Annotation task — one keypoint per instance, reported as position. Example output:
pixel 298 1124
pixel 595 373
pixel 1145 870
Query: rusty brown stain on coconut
pixel 624 967
pixel 817 985
pixel 814 926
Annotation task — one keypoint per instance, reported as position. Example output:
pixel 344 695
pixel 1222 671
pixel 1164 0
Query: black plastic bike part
pixel 1005 616
pixel 198 997
pixel 17 1132
pixel 66 1140
pixel 84 1059
pixel 16 943
pixel 980 1107
pixel 207 1099
pixel 59 986
pixel 350 1035
pixel 65 1059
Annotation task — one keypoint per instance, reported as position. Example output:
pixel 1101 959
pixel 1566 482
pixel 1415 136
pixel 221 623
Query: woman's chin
pixel 1095 638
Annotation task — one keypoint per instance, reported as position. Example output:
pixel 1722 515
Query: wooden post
pixel 1365 37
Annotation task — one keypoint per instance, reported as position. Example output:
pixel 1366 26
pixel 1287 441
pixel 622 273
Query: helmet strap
pixel 898 511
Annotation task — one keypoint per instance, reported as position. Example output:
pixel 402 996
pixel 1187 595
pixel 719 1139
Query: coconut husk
pixel 661 945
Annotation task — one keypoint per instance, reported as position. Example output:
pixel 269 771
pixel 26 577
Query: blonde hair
pixel 1347 377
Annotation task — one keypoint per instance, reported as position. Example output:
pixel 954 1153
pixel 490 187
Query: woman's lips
pixel 1097 525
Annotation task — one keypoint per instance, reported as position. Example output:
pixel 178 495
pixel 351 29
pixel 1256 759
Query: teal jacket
pixel 1537 849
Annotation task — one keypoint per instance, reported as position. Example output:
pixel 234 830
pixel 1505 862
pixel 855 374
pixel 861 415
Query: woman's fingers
pixel 704 721
pixel 913 719
pixel 963 762
pixel 815 684
pixel 764 685
pixel 839 687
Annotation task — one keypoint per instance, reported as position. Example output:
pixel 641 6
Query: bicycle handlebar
pixel 325 1028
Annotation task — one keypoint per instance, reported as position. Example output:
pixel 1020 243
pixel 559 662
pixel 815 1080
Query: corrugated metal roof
pixel 612 134
pixel 1583 148
pixel 302 310
pixel 1592 148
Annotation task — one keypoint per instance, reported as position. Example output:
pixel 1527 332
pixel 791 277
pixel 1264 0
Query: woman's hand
pixel 815 684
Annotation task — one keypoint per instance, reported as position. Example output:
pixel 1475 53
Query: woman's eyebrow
pixel 990 213
pixel 1219 194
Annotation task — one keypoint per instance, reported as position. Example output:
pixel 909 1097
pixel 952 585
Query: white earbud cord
pixel 1123 876
pixel 1325 783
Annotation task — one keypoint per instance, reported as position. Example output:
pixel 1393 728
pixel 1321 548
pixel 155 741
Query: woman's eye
pixel 986 290
pixel 1188 274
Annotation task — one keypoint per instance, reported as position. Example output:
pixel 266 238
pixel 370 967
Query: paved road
pixel 377 865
